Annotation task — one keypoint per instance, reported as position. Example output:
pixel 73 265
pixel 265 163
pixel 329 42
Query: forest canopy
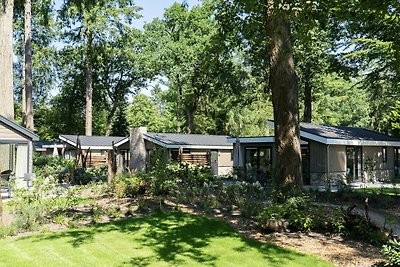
pixel 204 68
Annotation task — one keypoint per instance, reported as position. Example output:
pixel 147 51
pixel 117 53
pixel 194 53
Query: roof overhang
pixel 123 141
pixel 72 143
pixel 53 146
pixel 243 140
pixel 15 127
pixel 347 142
pixel 160 143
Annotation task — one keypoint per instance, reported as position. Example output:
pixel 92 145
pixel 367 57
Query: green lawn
pixel 386 191
pixel 164 239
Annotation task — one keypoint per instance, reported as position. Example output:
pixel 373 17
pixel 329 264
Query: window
pixel 384 154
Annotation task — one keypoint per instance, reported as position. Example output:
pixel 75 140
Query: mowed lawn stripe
pixel 164 239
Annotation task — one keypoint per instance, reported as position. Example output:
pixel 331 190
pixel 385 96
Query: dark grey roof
pixel 10 124
pixel 173 139
pixel 91 141
pixel 345 133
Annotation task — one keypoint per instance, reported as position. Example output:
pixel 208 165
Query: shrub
pixel 391 251
pixel 50 166
pixel 126 185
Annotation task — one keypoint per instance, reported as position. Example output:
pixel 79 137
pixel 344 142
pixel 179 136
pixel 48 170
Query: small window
pixel 384 154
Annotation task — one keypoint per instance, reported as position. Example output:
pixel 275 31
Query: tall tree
pixel 6 59
pixel 27 96
pixel 191 55
pixel 284 87
pixel 89 24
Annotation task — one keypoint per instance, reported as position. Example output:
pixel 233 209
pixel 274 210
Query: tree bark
pixel 28 67
pixel 6 59
pixel 89 86
pixel 307 95
pixel 283 84
pixel 190 120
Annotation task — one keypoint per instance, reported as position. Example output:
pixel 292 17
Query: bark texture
pixel 28 120
pixel 307 96
pixel 6 59
pixel 283 83
pixel 89 87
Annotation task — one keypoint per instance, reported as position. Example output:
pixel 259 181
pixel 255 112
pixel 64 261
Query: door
pixel 214 161
pixel 305 164
pixel 354 163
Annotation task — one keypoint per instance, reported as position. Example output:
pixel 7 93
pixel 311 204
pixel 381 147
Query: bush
pixel 125 185
pixel 41 203
pixel 296 210
pixel 391 251
pixel 50 166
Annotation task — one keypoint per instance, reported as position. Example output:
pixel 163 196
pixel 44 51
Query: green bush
pixel 391 251
pixel 126 185
pixel 50 166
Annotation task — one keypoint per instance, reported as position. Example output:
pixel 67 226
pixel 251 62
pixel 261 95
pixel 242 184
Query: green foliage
pixel 144 112
pixel 296 210
pixel 393 119
pixel 340 102
pixel 391 251
pixel 125 185
pixel 53 167
pixel 39 204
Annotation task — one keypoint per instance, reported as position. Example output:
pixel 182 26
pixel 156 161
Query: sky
pixel 155 8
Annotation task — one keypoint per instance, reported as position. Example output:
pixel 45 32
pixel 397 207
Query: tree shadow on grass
pixel 174 237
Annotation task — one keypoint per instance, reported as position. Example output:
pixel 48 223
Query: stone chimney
pixel 138 151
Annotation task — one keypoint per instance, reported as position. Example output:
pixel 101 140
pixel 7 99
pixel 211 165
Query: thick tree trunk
pixel 6 59
pixel 190 120
pixel 89 87
pixel 307 96
pixel 28 67
pixel 283 83
pixel 6 69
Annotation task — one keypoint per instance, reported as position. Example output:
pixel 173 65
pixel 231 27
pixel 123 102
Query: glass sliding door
pixel 258 162
pixel 354 163
pixel 396 162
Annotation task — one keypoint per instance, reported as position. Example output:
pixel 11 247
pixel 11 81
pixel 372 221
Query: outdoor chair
pixel 5 180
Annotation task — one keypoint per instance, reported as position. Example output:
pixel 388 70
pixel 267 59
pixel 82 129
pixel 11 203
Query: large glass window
pixel 396 161
pixel 258 163
pixel 353 163
pixel 384 154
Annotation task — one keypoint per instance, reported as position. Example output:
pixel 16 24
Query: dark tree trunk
pixel 283 83
pixel 89 86
pixel 307 95
pixel 28 112
pixel 190 120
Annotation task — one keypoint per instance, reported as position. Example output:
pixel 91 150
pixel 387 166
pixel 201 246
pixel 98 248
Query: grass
pixel 390 191
pixel 163 239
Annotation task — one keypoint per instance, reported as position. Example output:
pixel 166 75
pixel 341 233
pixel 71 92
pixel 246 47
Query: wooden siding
pixel 195 158
pixel 317 157
pixel 225 158
pixel 8 134
pixel 337 159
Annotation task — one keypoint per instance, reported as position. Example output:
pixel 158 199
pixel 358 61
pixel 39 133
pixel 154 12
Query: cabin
pixel 330 154
pixel 206 150
pixel 95 149
pixel 16 150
